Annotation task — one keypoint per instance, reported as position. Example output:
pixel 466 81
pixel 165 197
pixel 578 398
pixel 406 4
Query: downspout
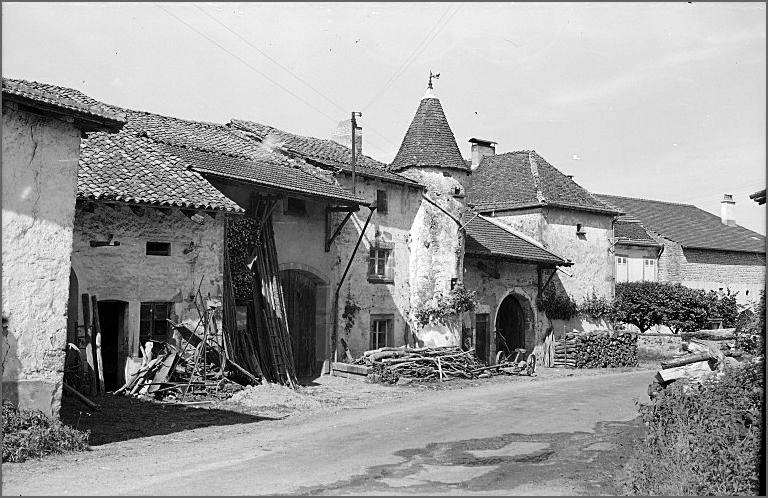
pixel 334 331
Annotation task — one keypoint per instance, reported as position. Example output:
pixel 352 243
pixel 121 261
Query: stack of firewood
pixel 599 349
pixel 388 364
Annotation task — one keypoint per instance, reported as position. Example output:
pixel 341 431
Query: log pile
pixel 389 364
pixel 600 349
pixel 699 359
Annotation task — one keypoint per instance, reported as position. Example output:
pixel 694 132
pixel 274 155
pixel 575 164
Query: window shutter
pixel 381 201
pixel 388 264
pixel 372 262
pixel 390 337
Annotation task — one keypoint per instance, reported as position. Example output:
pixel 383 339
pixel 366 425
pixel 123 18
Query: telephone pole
pixel 354 151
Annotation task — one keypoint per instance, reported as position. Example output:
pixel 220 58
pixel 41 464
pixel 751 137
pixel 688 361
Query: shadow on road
pixel 122 418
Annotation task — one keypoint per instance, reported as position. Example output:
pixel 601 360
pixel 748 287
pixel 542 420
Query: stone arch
pixel 515 322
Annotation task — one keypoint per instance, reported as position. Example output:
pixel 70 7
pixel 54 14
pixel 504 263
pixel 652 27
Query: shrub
pixel 703 442
pixel 31 434
pixel 596 308
pixel 750 331
pixel 557 305
pixel 724 305
pixel 641 304
pixel 444 306
pixel 686 309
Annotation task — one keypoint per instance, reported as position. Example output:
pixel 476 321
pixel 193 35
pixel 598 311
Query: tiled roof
pixel 162 148
pixel 268 175
pixel 632 232
pixel 521 179
pixel 325 153
pixel 429 141
pixel 688 225
pixel 97 115
pixel 486 237
pixel 123 167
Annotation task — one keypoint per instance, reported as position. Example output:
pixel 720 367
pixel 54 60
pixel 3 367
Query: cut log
pixel 685 360
pixel 712 335
pixel 691 371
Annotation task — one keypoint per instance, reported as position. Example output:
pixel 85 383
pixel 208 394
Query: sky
pixel 663 101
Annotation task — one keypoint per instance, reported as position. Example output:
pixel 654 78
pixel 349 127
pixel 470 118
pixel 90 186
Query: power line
pixel 297 77
pixel 431 35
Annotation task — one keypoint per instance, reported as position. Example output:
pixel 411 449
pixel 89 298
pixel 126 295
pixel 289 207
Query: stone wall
pixel 713 270
pixel 125 273
pixel 39 177
pixel 515 279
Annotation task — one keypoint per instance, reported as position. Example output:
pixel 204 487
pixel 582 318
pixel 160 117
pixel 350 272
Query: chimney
pixel 480 149
pixel 726 210
pixel 343 135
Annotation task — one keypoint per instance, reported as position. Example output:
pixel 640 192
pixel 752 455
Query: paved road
pixel 556 436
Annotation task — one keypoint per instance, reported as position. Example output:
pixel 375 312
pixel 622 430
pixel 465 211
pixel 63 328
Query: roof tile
pixel 688 225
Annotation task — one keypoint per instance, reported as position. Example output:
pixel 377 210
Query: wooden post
pixel 97 342
pixel 89 352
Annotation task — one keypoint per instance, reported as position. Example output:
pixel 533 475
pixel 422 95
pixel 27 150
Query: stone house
pixel 523 191
pixel 699 249
pixel 42 129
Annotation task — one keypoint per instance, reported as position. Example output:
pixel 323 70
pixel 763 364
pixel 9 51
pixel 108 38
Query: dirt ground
pixel 121 418
pixel 561 432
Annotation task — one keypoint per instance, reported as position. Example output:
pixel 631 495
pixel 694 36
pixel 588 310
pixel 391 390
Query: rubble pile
pixel 389 364
pixel 597 349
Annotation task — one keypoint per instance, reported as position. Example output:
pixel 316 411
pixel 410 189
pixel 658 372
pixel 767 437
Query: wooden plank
pixel 89 350
pixel 351 369
pixel 163 372
pixel 348 375
pixel 87 402
pixel 97 341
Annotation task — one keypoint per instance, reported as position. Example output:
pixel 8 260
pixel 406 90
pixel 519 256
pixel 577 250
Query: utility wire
pixel 297 77
pixel 431 35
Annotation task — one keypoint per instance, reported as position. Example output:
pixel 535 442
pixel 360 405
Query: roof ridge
pixel 520 235
pixel 653 200
pixel 535 174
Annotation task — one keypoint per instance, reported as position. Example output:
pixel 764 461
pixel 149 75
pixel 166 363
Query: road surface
pixel 558 436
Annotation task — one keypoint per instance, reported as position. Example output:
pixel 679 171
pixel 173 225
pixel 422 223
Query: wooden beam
pixel 96 336
pixel 137 210
pixel 336 233
pixel 89 353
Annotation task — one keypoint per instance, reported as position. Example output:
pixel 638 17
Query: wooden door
pixel 300 292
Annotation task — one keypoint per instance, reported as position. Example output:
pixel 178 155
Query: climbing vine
pixel 351 309
pixel 442 307
pixel 557 305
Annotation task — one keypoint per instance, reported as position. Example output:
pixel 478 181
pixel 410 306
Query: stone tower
pixel 430 155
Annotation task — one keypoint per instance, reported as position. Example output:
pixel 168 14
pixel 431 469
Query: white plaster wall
pixel 127 273
pixel 39 182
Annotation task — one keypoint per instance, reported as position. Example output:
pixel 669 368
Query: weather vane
pixel 435 76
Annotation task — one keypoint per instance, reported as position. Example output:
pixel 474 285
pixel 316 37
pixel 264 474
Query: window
pixel 580 229
pixel 153 324
pixel 649 269
pixel 622 269
pixel 381 201
pixel 294 206
pixel 380 264
pixel 381 331
pixel 158 248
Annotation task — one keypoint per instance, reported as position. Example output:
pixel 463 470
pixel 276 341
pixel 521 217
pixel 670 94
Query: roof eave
pixel 519 259
pixel 273 187
pixel 84 121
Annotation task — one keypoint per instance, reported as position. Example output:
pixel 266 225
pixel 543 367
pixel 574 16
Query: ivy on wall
pixel 442 307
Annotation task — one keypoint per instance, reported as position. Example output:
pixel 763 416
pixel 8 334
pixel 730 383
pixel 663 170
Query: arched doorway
pixel 514 325
pixel 300 290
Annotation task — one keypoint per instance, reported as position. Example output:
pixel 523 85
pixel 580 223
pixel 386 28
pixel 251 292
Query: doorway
pixel 514 326
pixel 300 293
pixel 112 315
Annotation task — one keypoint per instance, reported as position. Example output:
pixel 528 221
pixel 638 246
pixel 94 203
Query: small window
pixel 580 229
pixel 381 201
pixel 158 248
pixel 380 265
pixel 295 206
pixel 381 331
pixel 153 324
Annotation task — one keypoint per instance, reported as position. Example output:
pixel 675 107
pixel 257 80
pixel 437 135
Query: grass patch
pixel 705 441
pixel 32 434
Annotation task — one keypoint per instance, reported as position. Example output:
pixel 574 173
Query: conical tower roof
pixel 429 141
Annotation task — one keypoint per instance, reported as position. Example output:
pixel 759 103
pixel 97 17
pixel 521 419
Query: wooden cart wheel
pixel 500 357
pixel 530 364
